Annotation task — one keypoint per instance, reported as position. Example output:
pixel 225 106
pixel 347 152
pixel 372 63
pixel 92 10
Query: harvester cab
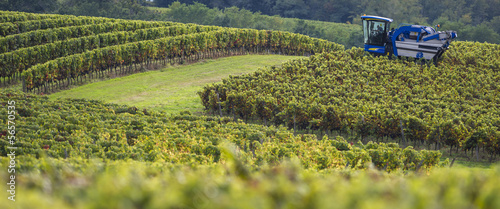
pixel 405 41
pixel 375 30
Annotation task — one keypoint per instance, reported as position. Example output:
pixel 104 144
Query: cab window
pixel 374 32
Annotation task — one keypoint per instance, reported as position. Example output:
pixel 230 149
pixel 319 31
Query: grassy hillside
pixel 172 89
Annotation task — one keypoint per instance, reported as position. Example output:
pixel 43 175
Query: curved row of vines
pixel 10 28
pixel 190 46
pixel 38 37
pixel 16 62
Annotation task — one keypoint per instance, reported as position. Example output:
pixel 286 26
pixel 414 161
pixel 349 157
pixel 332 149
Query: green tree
pixel 494 24
pixel 35 6
pixel 307 29
pixel 239 18
pixel 291 8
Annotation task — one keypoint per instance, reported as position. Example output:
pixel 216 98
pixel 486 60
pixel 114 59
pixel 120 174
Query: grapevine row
pixel 17 61
pixel 26 17
pixel 31 25
pixel 5 12
pixel 185 46
pixel 456 104
pixel 33 38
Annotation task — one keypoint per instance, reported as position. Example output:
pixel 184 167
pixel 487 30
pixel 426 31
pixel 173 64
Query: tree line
pixel 474 20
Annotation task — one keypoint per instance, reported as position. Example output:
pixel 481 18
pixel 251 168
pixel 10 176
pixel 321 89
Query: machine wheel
pixel 438 55
pixel 389 51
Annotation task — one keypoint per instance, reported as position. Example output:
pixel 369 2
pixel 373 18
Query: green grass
pixel 171 89
pixel 463 163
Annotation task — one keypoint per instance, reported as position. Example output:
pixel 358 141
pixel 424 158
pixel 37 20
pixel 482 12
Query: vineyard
pixel 91 129
pixel 63 138
pixel 454 104
pixel 61 54
pixel 81 153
